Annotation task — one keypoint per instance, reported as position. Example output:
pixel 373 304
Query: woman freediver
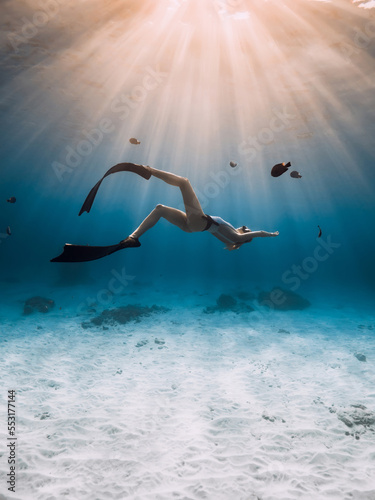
pixel 191 221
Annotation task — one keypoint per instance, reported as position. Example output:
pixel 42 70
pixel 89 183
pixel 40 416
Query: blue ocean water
pixel 325 130
pixel 199 84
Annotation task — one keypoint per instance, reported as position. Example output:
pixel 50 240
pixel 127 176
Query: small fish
pixel 9 232
pixel 12 199
pixel 320 232
pixel 134 141
pixel 233 164
pixel 295 174
pixel 280 169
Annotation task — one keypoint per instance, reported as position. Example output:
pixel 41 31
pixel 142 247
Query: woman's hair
pixel 243 229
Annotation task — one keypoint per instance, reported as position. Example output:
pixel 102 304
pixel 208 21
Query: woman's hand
pixel 275 234
pixel 232 247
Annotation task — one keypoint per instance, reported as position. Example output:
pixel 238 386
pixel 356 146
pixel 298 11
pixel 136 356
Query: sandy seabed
pixel 186 405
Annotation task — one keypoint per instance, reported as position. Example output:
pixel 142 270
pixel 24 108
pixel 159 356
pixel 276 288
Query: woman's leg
pixel 194 212
pixel 172 215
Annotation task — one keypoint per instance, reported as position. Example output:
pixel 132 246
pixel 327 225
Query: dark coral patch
pixel 124 314
pixel 227 303
pixel 38 304
pixel 282 300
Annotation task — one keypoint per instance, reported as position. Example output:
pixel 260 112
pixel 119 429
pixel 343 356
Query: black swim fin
pixel 141 170
pixel 85 253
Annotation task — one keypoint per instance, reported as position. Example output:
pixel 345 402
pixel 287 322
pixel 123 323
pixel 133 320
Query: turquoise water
pixel 318 114
pixel 199 84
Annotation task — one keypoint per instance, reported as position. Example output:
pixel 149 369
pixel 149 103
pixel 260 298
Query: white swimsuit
pixel 217 227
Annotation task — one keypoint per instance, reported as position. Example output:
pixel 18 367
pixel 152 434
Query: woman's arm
pixel 261 234
pixel 245 237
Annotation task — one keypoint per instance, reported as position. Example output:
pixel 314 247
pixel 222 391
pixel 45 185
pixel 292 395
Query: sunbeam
pixel 198 82
pixel 201 326
pixel 187 75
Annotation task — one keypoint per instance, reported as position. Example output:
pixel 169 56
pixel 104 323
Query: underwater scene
pixel 187 250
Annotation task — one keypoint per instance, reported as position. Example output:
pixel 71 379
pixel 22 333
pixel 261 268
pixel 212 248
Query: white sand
pixel 227 408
